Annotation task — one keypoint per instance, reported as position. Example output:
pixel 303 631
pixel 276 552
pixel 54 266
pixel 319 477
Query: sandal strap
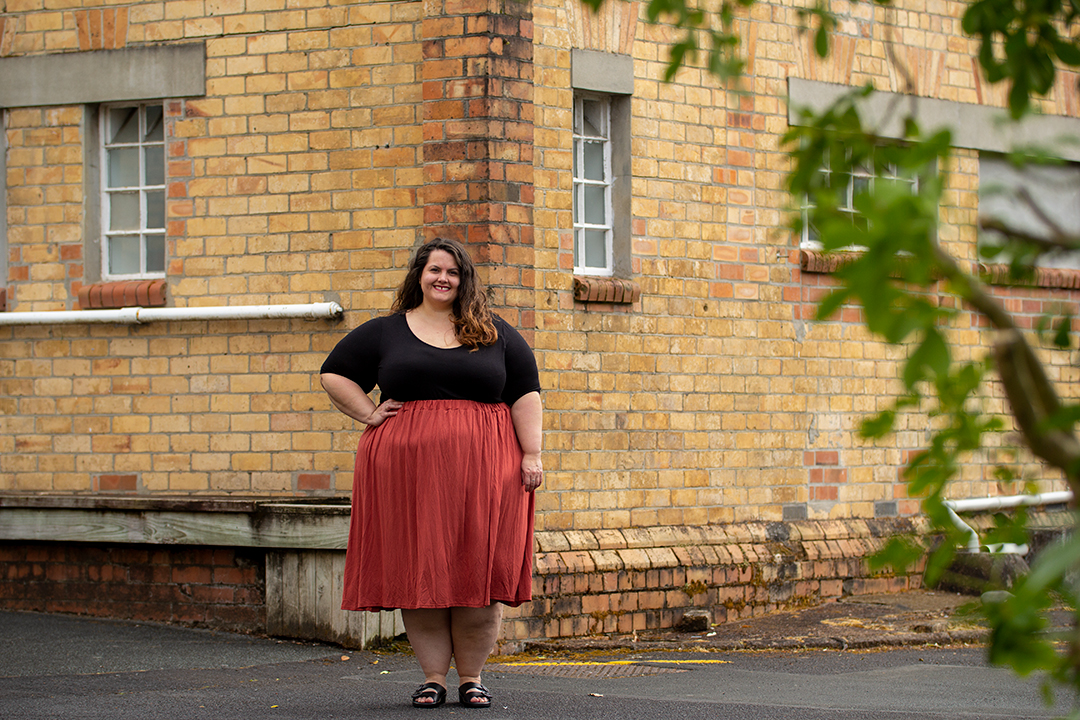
pixel 475 690
pixel 433 689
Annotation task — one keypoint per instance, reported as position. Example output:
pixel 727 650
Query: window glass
pixel 123 125
pixel 1038 200
pixel 861 180
pixel 133 180
pixel 123 167
pixel 592 185
pixel 124 211
pixel 155 253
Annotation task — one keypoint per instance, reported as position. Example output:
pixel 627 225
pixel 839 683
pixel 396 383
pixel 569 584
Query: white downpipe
pixel 997 503
pixel 140 315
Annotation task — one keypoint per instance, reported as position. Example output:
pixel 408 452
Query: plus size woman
pixel 442 507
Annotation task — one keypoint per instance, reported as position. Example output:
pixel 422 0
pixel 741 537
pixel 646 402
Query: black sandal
pixel 429 690
pixel 471 692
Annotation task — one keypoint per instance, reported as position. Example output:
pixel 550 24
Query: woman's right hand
pixel 385 410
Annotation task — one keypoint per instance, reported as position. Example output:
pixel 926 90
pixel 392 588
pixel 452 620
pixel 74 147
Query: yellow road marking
pixel 617 662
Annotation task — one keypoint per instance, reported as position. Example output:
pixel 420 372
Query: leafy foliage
pixel 1020 41
pixel 897 272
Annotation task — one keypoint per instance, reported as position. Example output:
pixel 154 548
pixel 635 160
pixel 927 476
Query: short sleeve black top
pixel 385 352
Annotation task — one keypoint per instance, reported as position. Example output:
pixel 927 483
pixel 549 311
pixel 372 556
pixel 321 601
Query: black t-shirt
pixel 385 352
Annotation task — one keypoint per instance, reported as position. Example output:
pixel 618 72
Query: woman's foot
pixel 429 695
pixel 474 695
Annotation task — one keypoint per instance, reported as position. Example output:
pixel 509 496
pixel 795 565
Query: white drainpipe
pixel 139 315
pixel 997 503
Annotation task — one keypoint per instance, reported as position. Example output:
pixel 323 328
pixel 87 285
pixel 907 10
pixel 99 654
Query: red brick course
pixel 128 293
pixel 735 572
pixel 217 588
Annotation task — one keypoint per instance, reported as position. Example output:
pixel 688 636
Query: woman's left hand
pixel 532 471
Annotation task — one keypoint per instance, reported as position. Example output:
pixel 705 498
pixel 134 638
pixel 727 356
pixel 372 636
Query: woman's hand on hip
pixel 384 411
pixel 532 471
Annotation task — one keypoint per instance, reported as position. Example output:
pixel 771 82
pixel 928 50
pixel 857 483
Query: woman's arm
pixel 527 413
pixel 350 398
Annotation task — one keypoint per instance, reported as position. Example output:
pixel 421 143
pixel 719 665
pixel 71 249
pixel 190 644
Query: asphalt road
pixel 58 667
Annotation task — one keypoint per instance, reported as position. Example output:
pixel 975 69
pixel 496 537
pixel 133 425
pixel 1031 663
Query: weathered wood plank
pixel 226 529
pixel 275 621
pixel 324 601
pixel 290 596
pixel 306 601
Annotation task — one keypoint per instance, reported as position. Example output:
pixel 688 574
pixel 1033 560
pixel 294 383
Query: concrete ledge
pixel 150 72
pixel 975 127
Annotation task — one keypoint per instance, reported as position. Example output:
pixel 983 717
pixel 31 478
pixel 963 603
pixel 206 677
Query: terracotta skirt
pixel 439 516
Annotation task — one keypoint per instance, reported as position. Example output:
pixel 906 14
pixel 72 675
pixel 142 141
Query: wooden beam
pixel 279 525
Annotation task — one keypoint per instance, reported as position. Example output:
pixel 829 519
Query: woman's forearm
pixel 348 397
pixel 528 416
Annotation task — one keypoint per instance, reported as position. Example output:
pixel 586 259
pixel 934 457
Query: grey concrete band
pixel 150 72
pixel 975 127
pixel 602 72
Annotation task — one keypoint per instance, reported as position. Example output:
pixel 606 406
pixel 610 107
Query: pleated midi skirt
pixel 439 515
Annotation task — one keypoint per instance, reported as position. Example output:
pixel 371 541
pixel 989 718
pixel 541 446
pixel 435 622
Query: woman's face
pixel 440 279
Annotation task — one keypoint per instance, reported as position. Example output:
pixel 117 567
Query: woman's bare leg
pixel 429 634
pixel 474 632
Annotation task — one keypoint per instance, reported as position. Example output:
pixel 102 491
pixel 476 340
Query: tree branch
pixel 1031 395
pixel 1035 404
pixel 1057 243
pixel 972 291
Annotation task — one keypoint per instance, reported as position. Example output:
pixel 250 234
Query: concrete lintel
pixel 601 72
pixel 974 127
pixel 151 72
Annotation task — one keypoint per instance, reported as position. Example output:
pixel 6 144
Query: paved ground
pixel 787 666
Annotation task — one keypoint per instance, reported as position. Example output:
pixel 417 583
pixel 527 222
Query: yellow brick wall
pixel 299 178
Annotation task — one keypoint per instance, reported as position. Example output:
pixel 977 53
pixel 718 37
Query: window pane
pixel 577 150
pixel 155 165
pixel 155 129
pixel 594 160
pixel 577 246
pixel 594 125
pixel 155 210
pixel 595 210
pixel 123 125
pixel 859 185
pixel 124 211
pixel 124 255
pixel 595 248
pixel 123 167
pixel 155 253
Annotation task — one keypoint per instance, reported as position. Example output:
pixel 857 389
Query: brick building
pixel 188 157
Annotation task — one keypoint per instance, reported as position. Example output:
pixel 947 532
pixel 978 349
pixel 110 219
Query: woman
pixel 442 508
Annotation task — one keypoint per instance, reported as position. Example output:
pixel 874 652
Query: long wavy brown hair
pixel 471 315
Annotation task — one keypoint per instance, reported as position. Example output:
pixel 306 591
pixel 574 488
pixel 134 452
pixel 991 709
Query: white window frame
pixel 143 188
pixel 580 183
pixel 848 206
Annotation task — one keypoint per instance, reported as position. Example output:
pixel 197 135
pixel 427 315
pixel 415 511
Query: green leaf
pixel 1068 52
pixel 821 42
pixel 901 554
pixel 932 355
pixel 878 426
pixel 1063 333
